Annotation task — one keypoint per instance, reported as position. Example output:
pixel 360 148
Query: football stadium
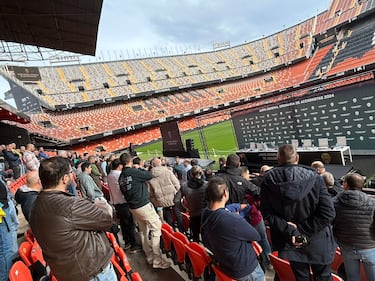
pixel 310 85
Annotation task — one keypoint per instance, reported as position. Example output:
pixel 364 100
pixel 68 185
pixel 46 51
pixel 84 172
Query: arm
pixel 252 189
pixel 175 181
pixel 244 231
pixel 95 170
pixel 87 216
pixel 324 213
pixel 142 175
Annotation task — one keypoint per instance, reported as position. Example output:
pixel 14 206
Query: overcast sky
pixel 146 27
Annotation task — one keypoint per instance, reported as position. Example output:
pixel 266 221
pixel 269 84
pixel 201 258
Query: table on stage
pixel 334 155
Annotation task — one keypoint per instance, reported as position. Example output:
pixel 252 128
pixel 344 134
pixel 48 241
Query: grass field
pixel 220 139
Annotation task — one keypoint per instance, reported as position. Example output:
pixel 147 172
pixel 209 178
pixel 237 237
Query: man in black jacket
pixel 133 185
pixel 299 210
pixel 237 185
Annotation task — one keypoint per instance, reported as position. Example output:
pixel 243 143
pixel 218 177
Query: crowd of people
pixel 70 201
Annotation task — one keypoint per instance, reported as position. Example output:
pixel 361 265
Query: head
pixel 222 160
pixel 287 155
pixel 245 172
pixel 116 165
pixel 92 159
pixel 233 160
pixel 126 159
pixel 164 161
pixel 217 190
pixel 55 173
pixel 318 166
pixel 33 181
pixel 186 162
pixel 30 147
pixel 196 172
pixel 156 162
pixel 194 162
pixel 328 178
pixel 62 153
pixel 86 167
pixel 264 169
pixel 353 181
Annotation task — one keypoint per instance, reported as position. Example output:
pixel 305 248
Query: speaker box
pixel 81 88
pixel 105 85
pixel 189 144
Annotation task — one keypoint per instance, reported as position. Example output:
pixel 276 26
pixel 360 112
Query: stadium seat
pixel 179 240
pixel 221 276
pixel 166 238
pixel 186 222
pixel 257 248
pixel 197 261
pixel 29 236
pixel 281 267
pixel 24 251
pixel 336 277
pixel 135 276
pixel 20 272
pixel 14 186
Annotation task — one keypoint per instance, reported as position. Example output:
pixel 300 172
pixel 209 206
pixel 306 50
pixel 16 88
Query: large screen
pixel 347 112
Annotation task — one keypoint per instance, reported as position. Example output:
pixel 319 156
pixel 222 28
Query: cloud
pixel 196 24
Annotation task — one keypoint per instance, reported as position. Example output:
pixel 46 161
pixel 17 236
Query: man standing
pixel 88 186
pixel 228 236
pixel 71 230
pixel 133 185
pixel 13 159
pixel 163 187
pixel 27 194
pixel 354 228
pixel 237 185
pixel 122 208
pixel 299 210
pixel 30 160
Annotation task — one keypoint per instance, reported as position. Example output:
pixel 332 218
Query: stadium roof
pixel 9 113
pixel 69 25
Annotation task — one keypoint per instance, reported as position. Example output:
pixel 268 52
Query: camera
pixel 302 240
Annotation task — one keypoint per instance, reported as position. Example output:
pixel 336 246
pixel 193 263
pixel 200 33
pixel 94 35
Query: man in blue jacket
pixel 299 210
pixel 228 236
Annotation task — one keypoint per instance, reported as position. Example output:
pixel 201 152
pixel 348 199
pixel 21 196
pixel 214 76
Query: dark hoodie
pixel 228 236
pixel 237 185
pixel 297 194
pixel 26 197
pixel 194 192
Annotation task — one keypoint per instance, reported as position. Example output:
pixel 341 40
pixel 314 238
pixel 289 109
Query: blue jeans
pixel 352 257
pixel 256 275
pixel 8 240
pixel 263 242
pixel 108 274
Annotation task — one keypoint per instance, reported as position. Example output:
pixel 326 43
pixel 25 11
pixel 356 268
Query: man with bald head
pixel 27 194
pixel 354 228
pixel 163 187
pixel 296 203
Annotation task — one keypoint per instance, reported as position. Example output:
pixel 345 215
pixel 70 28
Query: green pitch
pixel 220 139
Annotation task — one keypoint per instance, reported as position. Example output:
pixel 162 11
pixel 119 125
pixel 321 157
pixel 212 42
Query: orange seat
pixel 123 259
pixel 179 240
pixel 37 254
pixel 20 272
pixel 186 221
pixel 135 276
pixel 257 248
pixel 116 265
pixel 337 261
pixel 221 276
pixel 336 277
pixel 113 240
pixel 24 251
pixel 198 260
pixel 29 236
pixel 166 233
pixel 282 267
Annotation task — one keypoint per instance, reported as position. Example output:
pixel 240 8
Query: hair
pixel 354 181
pixel 317 165
pixel 287 154
pixel 125 158
pixel 51 171
pixel 233 160
pixel 91 157
pixel 136 161
pixel 328 178
pixel 215 189
pixel 62 153
pixel 264 169
pixel 156 162
pixel 194 162
pixel 85 165
pixel 115 164
pixel 244 169
pixel 196 172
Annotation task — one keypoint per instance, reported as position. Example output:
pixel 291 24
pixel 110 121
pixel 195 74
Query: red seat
pixel 20 272
pixel 282 267
pixel 37 254
pixel 113 240
pixel 198 260
pixel 166 233
pixel 179 240
pixel 24 251
pixel 123 259
pixel 29 236
pixel 257 248
pixel 221 276
pixel 119 270
pixel 186 221
pixel 135 276
pixel 336 278
pixel 337 261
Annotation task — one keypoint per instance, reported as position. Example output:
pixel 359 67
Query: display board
pixel 347 112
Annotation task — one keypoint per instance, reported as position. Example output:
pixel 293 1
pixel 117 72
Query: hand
pixel 294 243
pixel 292 224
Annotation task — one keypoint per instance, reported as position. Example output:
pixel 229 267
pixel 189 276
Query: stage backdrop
pixel 348 112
